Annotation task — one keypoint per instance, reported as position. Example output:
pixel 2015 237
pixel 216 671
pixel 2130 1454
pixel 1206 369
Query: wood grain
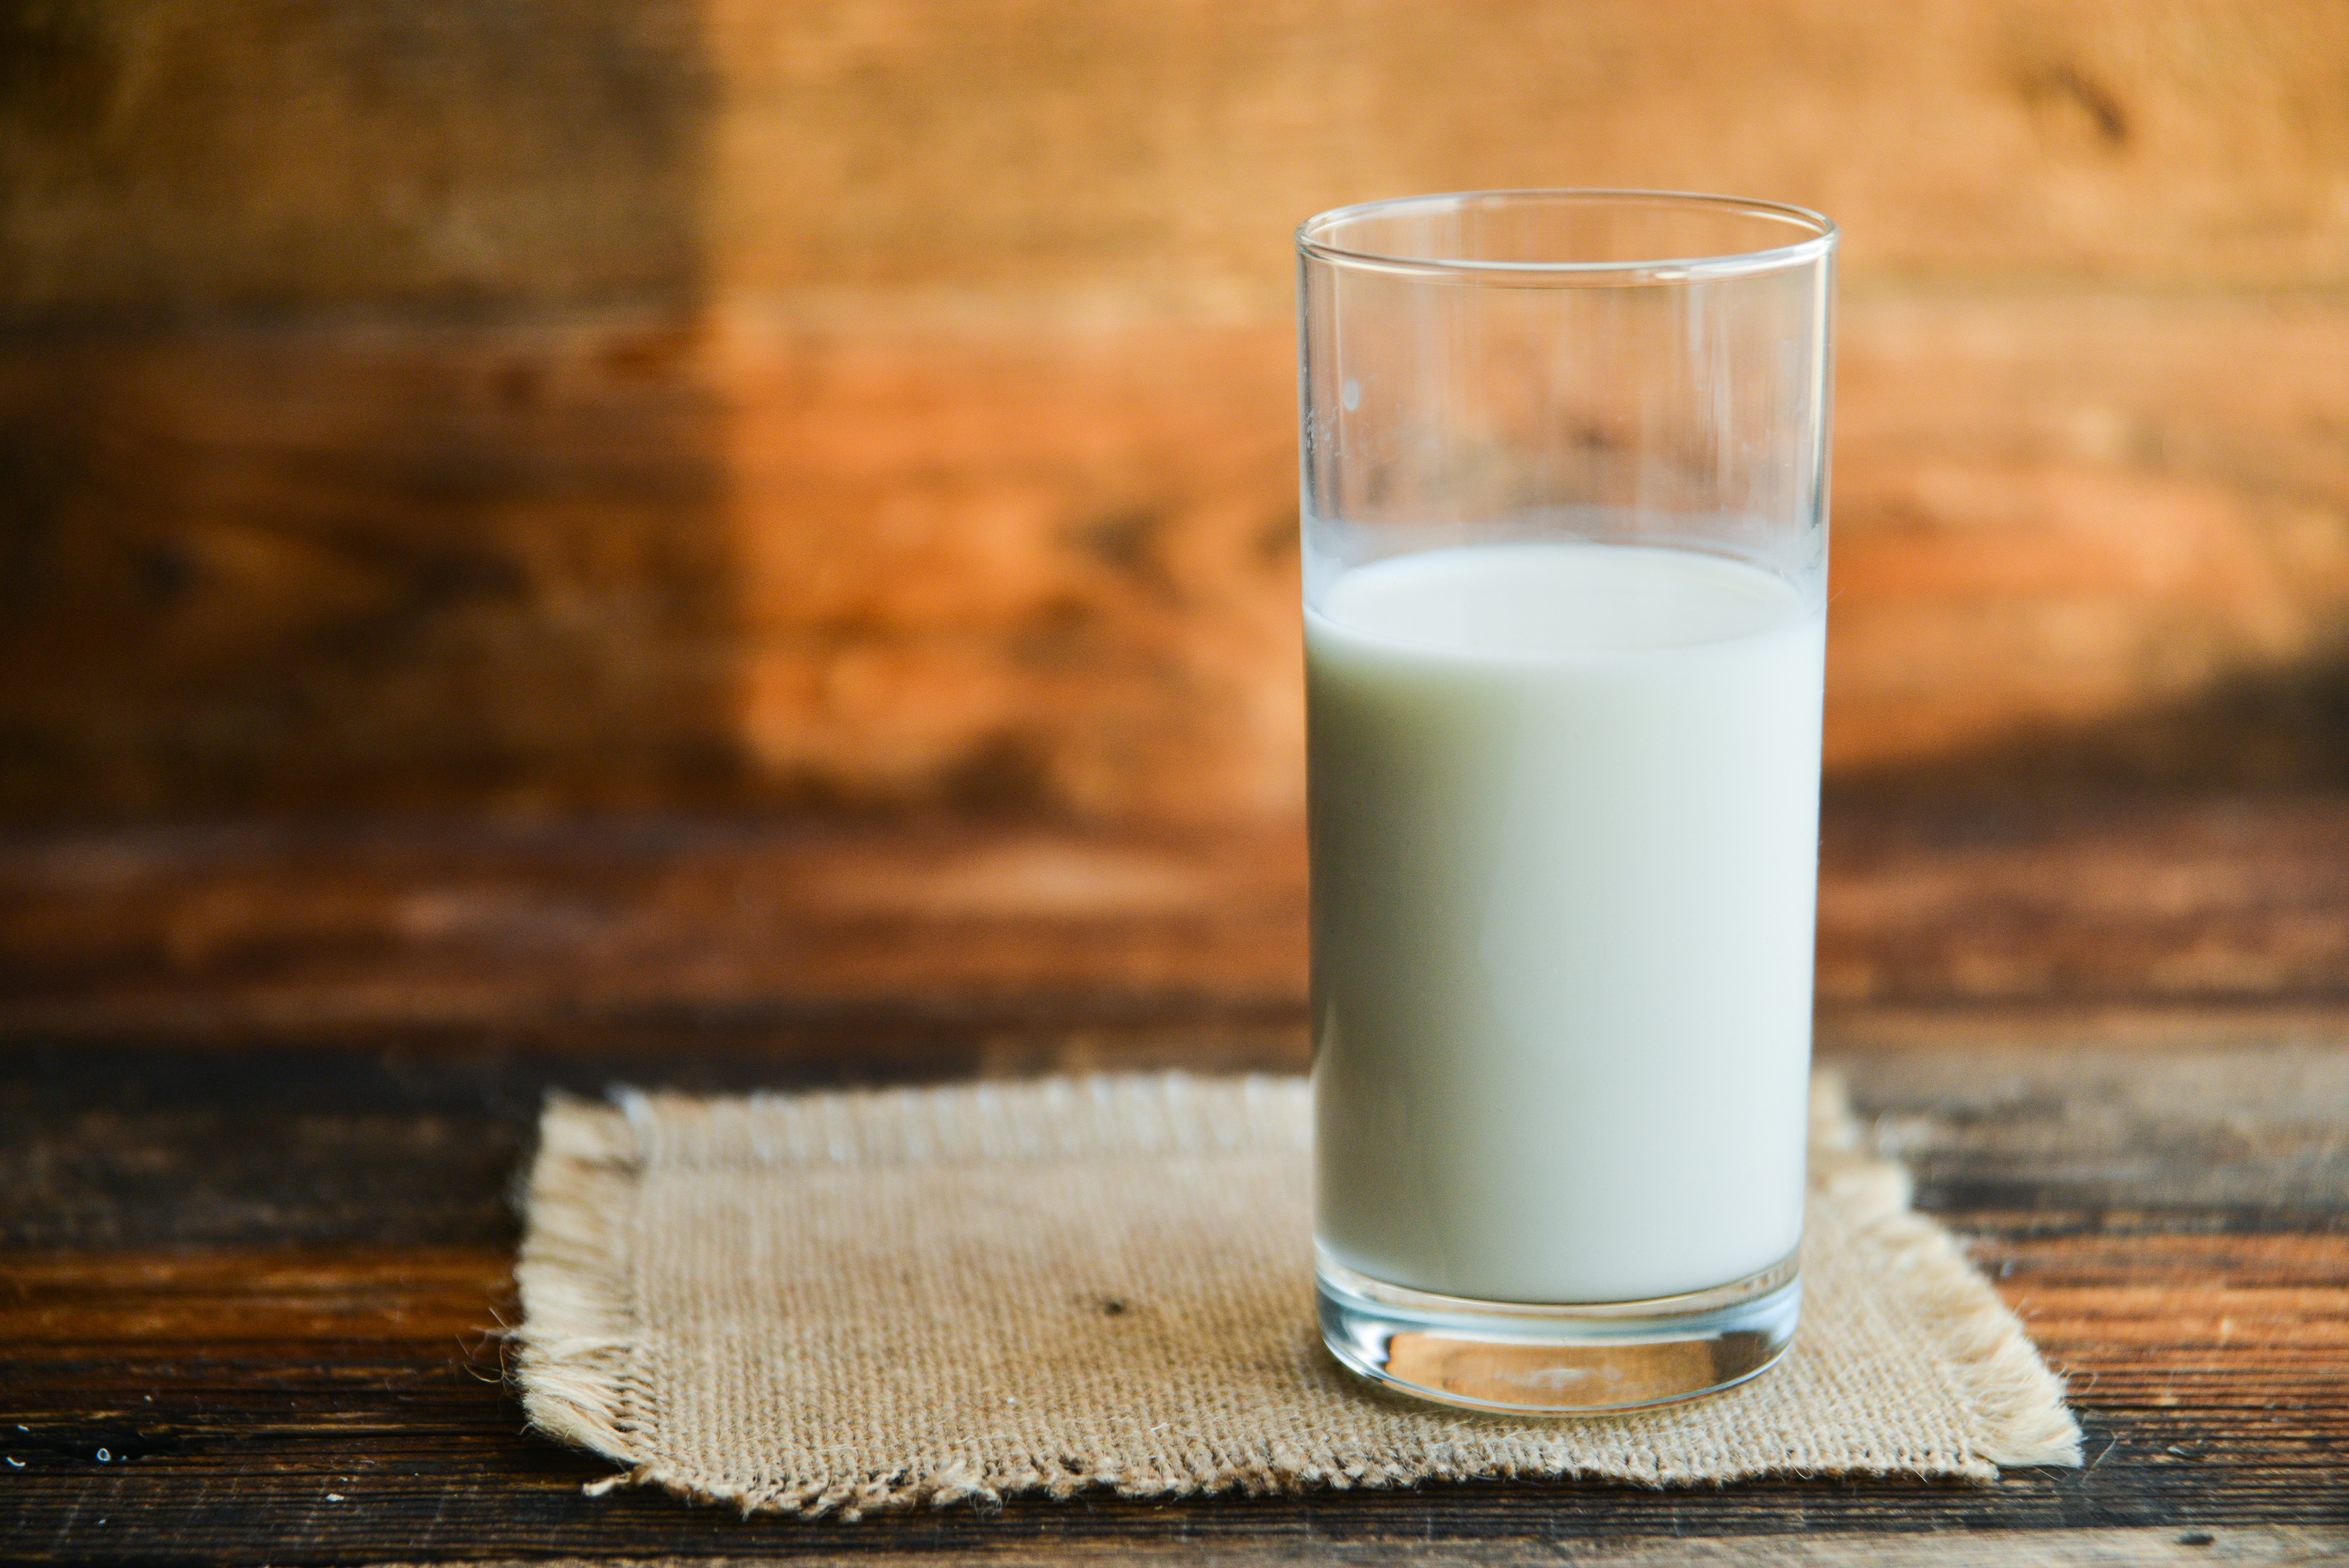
pixel 168 159
pixel 561 406
pixel 2078 917
pixel 372 565
pixel 1073 581
pixel 387 1139
pixel 2088 900
pixel 299 1384
pixel 2015 1549
pixel 1161 154
pixel 161 158
pixel 323 925
pixel 2062 510
pixel 255 1223
pixel 145 1305
pixel 885 559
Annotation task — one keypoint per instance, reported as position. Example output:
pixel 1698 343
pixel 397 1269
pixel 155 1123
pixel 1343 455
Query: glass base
pixel 1558 1360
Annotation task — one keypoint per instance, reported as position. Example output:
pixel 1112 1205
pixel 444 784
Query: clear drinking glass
pixel 1564 461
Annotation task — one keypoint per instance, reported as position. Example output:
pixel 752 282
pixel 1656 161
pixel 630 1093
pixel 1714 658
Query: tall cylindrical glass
pixel 1565 459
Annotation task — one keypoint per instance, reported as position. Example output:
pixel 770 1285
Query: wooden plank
pixel 313 1377
pixel 270 1380
pixel 2042 1134
pixel 338 1405
pixel 160 158
pixel 317 1503
pixel 308 926
pixel 2200 918
pixel 1162 153
pixel 2264 1315
pixel 901 554
pixel 1074 582
pixel 564 148
pixel 2285 1544
pixel 2064 555
pixel 2060 535
pixel 2092 899
pixel 369 565
pixel 410 1137
pixel 148 1307
pixel 953 469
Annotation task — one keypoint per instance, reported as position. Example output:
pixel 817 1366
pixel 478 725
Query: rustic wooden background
pixel 566 404
pixel 611 414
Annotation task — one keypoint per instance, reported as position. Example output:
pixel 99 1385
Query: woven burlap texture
pixel 832 1304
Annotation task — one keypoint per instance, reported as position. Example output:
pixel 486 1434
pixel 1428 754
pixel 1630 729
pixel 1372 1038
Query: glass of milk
pixel 1565 459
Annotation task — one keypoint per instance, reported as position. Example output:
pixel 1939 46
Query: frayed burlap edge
pixel 576 1364
pixel 576 1361
pixel 2013 1399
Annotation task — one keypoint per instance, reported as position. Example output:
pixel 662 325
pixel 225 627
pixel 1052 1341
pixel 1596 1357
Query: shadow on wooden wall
pixel 568 405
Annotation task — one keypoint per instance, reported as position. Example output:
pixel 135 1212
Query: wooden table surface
pixel 265 1089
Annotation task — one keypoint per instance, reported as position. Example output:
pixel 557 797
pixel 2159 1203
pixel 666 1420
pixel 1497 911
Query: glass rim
pixel 1817 242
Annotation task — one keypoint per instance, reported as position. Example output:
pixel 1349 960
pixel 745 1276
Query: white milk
pixel 1565 812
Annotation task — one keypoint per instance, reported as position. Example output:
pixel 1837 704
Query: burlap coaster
pixel 840 1302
